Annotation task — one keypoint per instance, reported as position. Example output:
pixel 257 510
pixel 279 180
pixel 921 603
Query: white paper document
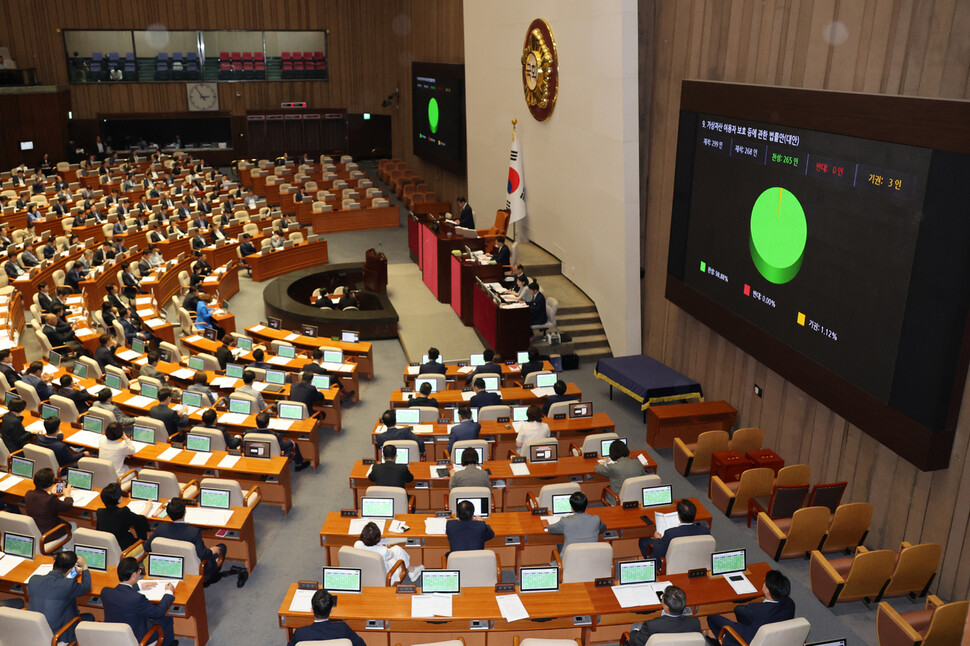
pixel 169 454
pixel 545 391
pixel 36 427
pixel 85 438
pixel 201 458
pixel 183 373
pixel 278 361
pixel 431 605
pixel 643 459
pixel 292 336
pixel 41 570
pixel 224 382
pixel 397 527
pixel 435 526
pixel 9 562
pixel 641 594
pixel 413 370
pixel 232 418
pixel 301 601
pixel 192 339
pixel 466 395
pixel 740 584
pixel 666 521
pixel 228 462
pixel 519 469
pixel 422 429
pixel 11 481
pixel 156 322
pixel 208 517
pixel 139 446
pixel 139 401
pixel 331 365
pixel 464 370
pixel 357 525
pixel 510 605
pixel 83 497
pixel 257 328
pixel 278 424
pixel 154 590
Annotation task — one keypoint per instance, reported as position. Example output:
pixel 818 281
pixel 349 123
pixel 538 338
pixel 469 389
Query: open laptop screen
pixel 560 504
pixel 290 411
pixel 80 479
pixel 633 572
pixel 544 452
pixel 143 434
pixel 547 380
pixel 214 498
pixel 491 383
pixel 371 507
pixel 476 360
pixel 727 562
pixel 165 566
pixel 421 381
pixel 520 413
pixel 341 579
pixel 538 579
pixel 192 399
pixel 198 442
pixel 605 445
pixel 95 557
pixel 407 416
pixel 18 545
pixel 144 490
pixel 23 467
pixel 482 505
pixel 443 581
pixel 349 336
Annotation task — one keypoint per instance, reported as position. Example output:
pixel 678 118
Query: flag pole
pixel 514 122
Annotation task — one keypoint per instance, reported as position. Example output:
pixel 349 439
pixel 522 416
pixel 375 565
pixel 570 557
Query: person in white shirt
pixel 370 540
pixel 114 446
pixel 533 429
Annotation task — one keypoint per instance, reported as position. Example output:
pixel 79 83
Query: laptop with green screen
pixel 95 557
pixel 234 370
pixel 80 479
pixel 22 467
pixel 441 581
pixel 197 442
pixel 291 411
pixel 214 498
pixel 144 490
pixel 18 545
pixel 196 363
pixel 143 434
pixel 165 566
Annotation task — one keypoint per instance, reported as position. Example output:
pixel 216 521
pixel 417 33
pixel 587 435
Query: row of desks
pixel 456 374
pixel 509 490
pixel 510 395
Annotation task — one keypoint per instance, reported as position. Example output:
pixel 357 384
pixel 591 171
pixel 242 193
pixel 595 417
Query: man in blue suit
pixel 322 628
pixel 483 397
pixel 777 606
pixel 466 429
pixel 125 604
pixel 389 419
pixel 466 533
pixel 179 530
pixel 55 594
pixel 686 511
pixel 433 366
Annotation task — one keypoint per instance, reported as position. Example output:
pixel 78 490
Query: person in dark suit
pixel 467 533
pixel 178 530
pixel 54 594
pixel 490 367
pixel 432 366
pixel 304 391
pixel 258 356
pixel 224 351
pixel 6 367
pixel 105 354
pixel 424 399
pixel 201 265
pixel 54 440
pixel 15 436
pixel 44 506
pixel 389 418
pixel 537 306
pixel 34 376
pixel 466 429
pixel 125 604
pixel 322 628
pixel 73 278
pixel 79 397
pixel 656 545
pixel 534 364
pixel 209 416
pixel 12 269
pixel 777 606
pixel 173 420
pixel 671 620
pixel 483 397
pixel 501 254
pixel 559 390
pixel 388 473
pixel 199 241
pixel 120 521
pixel 465 217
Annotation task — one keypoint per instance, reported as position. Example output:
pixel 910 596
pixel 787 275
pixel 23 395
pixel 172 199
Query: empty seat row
pixel 176 68
pixel 241 65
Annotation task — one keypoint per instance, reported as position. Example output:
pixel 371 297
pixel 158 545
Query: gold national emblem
pixel 540 70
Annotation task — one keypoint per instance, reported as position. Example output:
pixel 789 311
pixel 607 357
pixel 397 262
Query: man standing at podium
pixel 465 217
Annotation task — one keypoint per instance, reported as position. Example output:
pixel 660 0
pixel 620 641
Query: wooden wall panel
pixel 371 46
pixel 911 47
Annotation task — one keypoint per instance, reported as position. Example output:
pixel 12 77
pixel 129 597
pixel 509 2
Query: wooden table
pixel 452 398
pixel 555 610
pixel 503 329
pixel 463 275
pixel 456 374
pixel 283 261
pixel 188 610
pixel 501 435
pixel 382 217
pixel 226 282
pixel 431 491
pixel 687 421
pixel 362 351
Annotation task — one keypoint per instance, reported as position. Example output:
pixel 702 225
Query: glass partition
pixel 168 55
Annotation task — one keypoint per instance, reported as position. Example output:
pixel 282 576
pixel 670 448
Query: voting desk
pixel 463 275
pixel 431 490
pixel 188 609
pixel 503 328
pixel 266 265
pixel 362 352
pixel 510 396
pixel 456 374
pixel 501 435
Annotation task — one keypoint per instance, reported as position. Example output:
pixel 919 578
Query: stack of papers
pixel 464 370
pixel 292 336
pixel 201 458
pixel 413 370
pixel 11 481
pixel 740 584
pixel 154 590
pixel 208 517
pixel 224 382
pixel 192 339
pixel 41 570
pixel 435 526
pixel 519 469
pixel 511 607
pixel 301 601
pixel 466 395
pixel 154 322
pixel 183 373
pixel 422 429
pixel 641 594
pixel 545 391
pixel 431 605
pixel 36 427
pixel 258 328
pixel 9 562
pixel 278 361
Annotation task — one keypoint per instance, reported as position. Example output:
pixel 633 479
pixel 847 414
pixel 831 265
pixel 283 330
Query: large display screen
pixel 832 248
pixel 438 113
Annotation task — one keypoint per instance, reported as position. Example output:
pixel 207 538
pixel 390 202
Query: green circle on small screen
pixel 779 232
pixel 433 115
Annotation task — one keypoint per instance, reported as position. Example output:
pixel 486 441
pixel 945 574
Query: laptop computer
pixel 491 383
pixel 93 424
pixel 241 406
pixel 275 379
pixel 560 504
pixel 520 413
pixel 333 356
pixel 441 581
pixel 165 566
pixel 244 343
pixel 521 357
pixel 544 452
pixel 144 490
pixel 18 545
pixel 143 434
pixel 214 498
pixel 80 370
pixel 580 409
pixel 636 572
pixel 23 467
pixel 371 507
pixel 192 399
pixel 309 330
pixel 234 370
pixel 341 579
pixel 256 449
pixel 456 455
pixel 458 419
pixel 482 505
pixel 547 380
pixel 440 359
pixel 420 381
pixel 80 479
pixel 274 323
pixel 149 390
pixel 286 351
pixel 321 382
pixel 657 496
pixel 95 557
pixel 138 346
pixel 198 442
pixel 407 416
pixel 112 381
pixel 402 456
pixel 210 333
pixel 9 397
pixel 731 564
pixel 196 363
pixel 54 359
pixel 349 336
pixel 538 579
pixel 476 360
pixel 47 411
pixel 605 445
pixel 290 411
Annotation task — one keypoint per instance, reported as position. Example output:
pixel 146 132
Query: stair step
pixel 576 309
pixel 577 319
pixel 593 341
pixel 574 331
pixel 591 354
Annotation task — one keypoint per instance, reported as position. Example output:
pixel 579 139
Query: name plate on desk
pixel 630 504
pixel 235 452
pixel 590 454
pixel 442 514
pixel 407 390
pixel 406 588
pixel 518 460
pixel 540 511
pixel 348 513
pixel 502 420
pixel 369 461
pixel 604 582
pixel 443 462
pixel 444 420
pixel 307 585
pixel 505 587
pixel 696 572
pixel 559 416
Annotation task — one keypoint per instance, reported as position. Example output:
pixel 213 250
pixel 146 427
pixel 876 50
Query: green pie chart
pixel 778 235
pixel 433 115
